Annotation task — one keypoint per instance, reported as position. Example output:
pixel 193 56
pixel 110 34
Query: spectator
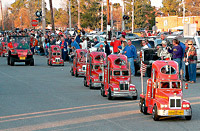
pixel 163 52
pixel 144 45
pixel 191 58
pixel 84 44
pixel 123 33
pixel 185 64
pixel 95 41
pixel 75 44
pixel 147 42
pixel 115 43
pixel 100 49
pixel 41 51
pixel 83 31
pixel 63 46
pixel 69 40
pixel 46 47
pixel 107 48
pixel 120 50
pixel 89 45
pixel 78 38
pixel 58 41
pixel 176 52
pixel 162 37
pixel 122 40
pixel 131 53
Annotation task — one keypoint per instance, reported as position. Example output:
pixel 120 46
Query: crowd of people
pixel 183 53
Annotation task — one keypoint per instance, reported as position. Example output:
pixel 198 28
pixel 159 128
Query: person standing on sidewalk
pixel 131 53
pixel 115 43
pixel 191 58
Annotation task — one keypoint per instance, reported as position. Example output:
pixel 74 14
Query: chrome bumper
pixel 123 93
pixel 165 113
pixel 96 84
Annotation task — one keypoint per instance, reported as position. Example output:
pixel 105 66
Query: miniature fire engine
pixel 55 56
pixel 164 93
pixel 117 78
pixel 94 69
pixel 79 63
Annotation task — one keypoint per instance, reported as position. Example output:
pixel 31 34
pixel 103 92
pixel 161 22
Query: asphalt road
pixel 49 98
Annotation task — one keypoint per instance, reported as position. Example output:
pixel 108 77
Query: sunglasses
pixel 189 44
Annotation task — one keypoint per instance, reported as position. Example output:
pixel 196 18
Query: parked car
pixel 98 45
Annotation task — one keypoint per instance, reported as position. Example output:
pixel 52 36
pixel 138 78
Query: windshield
pixel 168 70
pixel 116 73
pixel 21 42
pixel 164 85
pixel 121 73
pixel 125 73
pixel 174 85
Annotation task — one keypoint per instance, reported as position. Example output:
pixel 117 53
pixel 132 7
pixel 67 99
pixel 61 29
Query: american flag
pixel 143 68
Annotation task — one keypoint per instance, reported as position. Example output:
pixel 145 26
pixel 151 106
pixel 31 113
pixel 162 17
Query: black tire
pixel 134 97
pixel 72 73
pixel 155 115
pixel 102 91
pixel 32 63
pixel 140 105
pixel 85 82
pixel 27 63
pixel 76 73
pixel 109 94
pixel 48 62
pixel 8 60
pixel 143 107
pixel 189 117
pixel 90 85
pixel 12 62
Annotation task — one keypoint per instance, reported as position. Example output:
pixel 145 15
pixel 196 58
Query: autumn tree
pixel 171 7
pixel 192 7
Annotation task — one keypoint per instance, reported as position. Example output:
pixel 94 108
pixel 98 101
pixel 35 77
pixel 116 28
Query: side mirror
pixel 186 85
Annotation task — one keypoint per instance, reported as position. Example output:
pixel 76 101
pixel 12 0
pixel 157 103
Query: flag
pixel 143 68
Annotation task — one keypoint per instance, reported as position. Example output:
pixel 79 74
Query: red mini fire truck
pixel 117 78
pixel 55 56
pixel 164 93
pixel 79 63
pixel 94 69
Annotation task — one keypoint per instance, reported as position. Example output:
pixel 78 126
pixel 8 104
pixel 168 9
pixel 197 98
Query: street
pixel 47 98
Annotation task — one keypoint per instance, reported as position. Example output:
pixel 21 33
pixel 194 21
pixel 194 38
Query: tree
pixel 171 7
pixel 192 7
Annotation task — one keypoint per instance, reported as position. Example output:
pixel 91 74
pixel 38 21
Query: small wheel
pixel 189 117
pixel 76 73
pixel 72 73
pixel 12 62
pixel 109 94
pixel 90 85
pixel 155 115
pixel 48 62
pixel 8 60
pixel 85 82
pixel 32 63
pixel 27 63
pixel 143 107
pixel 140 105
pixel 102 90
pixel 134 97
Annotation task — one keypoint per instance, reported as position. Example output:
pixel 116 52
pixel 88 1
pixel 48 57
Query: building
pixel 175 23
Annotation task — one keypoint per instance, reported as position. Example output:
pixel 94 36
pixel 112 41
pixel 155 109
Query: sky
pixel 58 3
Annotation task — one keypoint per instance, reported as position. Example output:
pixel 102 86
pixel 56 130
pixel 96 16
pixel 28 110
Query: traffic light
pixel 125 17
pixel 39 15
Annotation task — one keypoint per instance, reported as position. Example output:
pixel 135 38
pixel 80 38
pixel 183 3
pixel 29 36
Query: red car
pixel 164 92
pixel 19 51
pixel 79 63
pixel 94 70
pixel 117 78
pixel 55 56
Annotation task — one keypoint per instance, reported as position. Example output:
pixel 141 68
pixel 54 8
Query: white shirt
pixel 145 47
pixel 84 44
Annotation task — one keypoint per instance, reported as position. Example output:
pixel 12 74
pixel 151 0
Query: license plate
pixel 57 62
pixel 176 112
pixel 22 58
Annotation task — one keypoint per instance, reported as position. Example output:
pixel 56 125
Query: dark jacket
pixel 107 49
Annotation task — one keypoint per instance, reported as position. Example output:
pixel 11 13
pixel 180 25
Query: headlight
pixel 132 88
pixel 163 106
pixel 79 69
pixel 186 105
pixel 127 82
pixel 115 89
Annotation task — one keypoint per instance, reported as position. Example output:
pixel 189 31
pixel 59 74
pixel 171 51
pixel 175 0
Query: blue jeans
pixel 183 67
pixel 178 60
pixel 192 69
pixel 131 60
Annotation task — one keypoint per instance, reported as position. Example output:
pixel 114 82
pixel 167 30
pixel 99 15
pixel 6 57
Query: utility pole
pixel 52 16
pixel 102 16
pixel 132 16
pixel 79 25
pixel 112 19
pixel 70 23
pixel 183 2
pixel 43 17
pixel 123 26
pixel 2 20
pixel 108 20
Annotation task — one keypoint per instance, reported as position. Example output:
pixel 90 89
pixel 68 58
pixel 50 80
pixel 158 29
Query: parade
pixel 85 78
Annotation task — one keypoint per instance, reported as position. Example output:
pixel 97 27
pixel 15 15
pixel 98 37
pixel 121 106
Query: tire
pixel 102 91
pixel 27 63
pixel 143 107
pixel 189 117
pixel 76 73
pixel 12 62
pixel 72 73
pixel 134 97
pixel 8 60
pixel 48 62
pixel 155 115
pixel 140 105
pixel 32 63
pixel 90 85
pixel 85 82
pixel 109 94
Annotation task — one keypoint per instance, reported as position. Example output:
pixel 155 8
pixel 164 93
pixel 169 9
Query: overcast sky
pixel 58 3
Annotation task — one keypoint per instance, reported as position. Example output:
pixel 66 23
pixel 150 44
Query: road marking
pixel 74 121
